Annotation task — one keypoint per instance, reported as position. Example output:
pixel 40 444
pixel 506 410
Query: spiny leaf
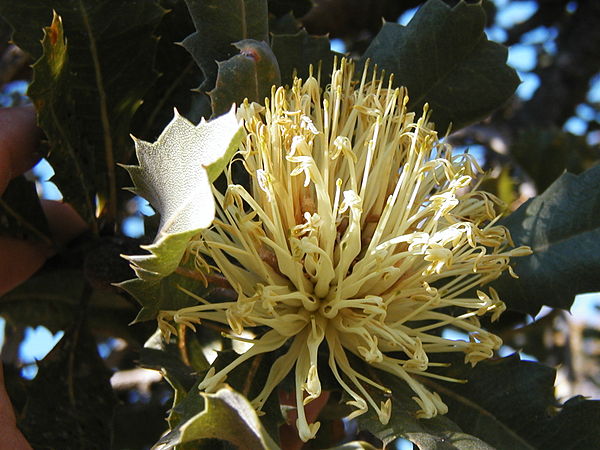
pixel 161 294
pixel 178 75
pixel 166 358
pixel 52 295
pixel 86 86
pixel 296 52
pixel 220 23
pixel 51 298
pixel 73 383
pixel 51 78
pixel 297 8
pixel 510 404
pixel 251 74
pixel 438 432
pixel 228 416
pixel 562 227
pixel 444 58
pixel 172 176
pixel 575 427
pixel 545 153
pixel 499 406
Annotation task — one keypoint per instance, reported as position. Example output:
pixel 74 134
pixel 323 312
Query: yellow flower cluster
pixel 359 231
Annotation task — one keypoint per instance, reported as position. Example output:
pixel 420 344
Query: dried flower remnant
pixel 355 212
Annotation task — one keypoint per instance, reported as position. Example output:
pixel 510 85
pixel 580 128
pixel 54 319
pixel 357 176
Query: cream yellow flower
pixel 359 230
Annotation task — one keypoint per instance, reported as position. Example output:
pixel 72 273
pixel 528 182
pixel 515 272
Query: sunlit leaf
pixel 172 176
pixel 228 416
pixel 444 58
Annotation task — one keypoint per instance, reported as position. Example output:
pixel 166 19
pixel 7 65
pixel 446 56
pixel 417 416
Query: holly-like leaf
pixel 172 176
pixel 444 58
pixel 228 416
pixel 51 296
pixel 161 294
pixel 166 358
pixel 298 8
pixel 576 426
pixel 545 153
pixel 505 403
pixel 87 84
pixel 438 432
pixel 220 23
pixel 562 227
pixel 178 75
pixel 296 52
pixel 510 403
pixel 73 383
pixel 251 74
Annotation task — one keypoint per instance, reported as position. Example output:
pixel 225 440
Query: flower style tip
pixel 359 235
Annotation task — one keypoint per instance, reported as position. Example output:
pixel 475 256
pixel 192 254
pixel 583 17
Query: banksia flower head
pixel 358 232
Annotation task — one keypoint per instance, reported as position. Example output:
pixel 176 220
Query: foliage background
pixel 526 144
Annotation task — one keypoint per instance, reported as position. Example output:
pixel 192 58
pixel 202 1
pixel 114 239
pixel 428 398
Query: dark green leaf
pixel 186 406
pixel 166 358
pixel 437 433
pixel 562 227
pixel 162 294
pixel 286 24
pixel 51 297
pixel 501 401
pixel 249 379
pixel 545 153
pixel 510 404
pixel 297 7
pixel 296 52
pixel 71 401
pixel 46 299
pixel 576 427
pixel 251 74
pixel 178 75
pixel 444 58
pixel 220 23
pixel 86 87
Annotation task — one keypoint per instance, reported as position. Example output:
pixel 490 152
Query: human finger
pixel 20 259
pixel 10 436
pixel 19 138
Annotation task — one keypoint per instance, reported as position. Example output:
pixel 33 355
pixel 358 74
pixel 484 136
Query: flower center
pixel 355 211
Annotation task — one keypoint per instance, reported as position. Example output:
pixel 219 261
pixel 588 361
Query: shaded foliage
pixel 106 69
